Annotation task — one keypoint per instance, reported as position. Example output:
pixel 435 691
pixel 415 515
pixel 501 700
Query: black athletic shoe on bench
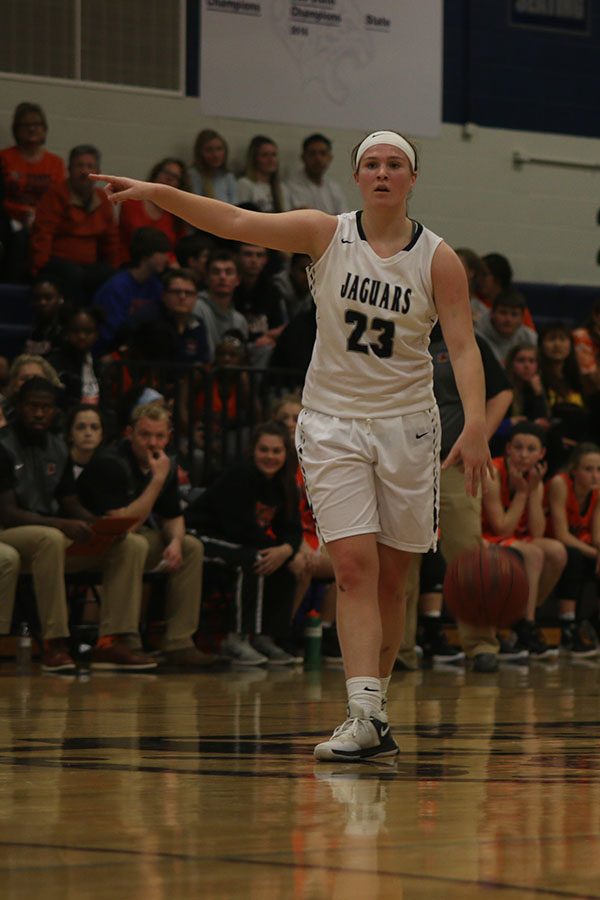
pixel 530 636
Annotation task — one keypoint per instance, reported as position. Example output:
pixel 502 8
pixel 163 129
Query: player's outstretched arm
pixel 452 301
pixel 300 231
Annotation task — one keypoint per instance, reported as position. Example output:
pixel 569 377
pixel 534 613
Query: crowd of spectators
pixel 157 358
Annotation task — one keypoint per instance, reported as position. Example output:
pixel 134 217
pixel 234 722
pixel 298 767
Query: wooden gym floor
pixel 169 786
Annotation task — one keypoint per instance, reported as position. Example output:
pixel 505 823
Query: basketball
pixel 487 587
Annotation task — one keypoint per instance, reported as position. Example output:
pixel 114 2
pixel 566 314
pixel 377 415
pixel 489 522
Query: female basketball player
pixel 368 436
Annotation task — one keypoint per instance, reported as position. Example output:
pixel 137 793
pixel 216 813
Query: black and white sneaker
pixel 436 647
pixel 359 737
pixel 511 649
pixel 575 642
pixel 530 636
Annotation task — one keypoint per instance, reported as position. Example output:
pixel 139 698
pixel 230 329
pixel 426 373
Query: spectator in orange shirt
pixel 513 515
pixel 75 237
pixel 144 213
pixel 27 170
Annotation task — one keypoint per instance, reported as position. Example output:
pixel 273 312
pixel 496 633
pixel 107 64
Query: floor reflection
pixel 206 785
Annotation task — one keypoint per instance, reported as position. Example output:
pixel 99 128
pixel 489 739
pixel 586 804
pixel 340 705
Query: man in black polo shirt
pixel 460 514
pixel 170 549
pixel 41 516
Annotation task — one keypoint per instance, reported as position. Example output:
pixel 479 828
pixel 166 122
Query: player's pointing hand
pixel 120 189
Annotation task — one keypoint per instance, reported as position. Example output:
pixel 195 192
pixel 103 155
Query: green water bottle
pixel 313 636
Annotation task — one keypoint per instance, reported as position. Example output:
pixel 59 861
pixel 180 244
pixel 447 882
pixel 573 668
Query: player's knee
pixel 556 554
pixel 534 557
pixel 350 573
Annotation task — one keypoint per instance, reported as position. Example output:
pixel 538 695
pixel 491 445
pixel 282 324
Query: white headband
pixel 387 137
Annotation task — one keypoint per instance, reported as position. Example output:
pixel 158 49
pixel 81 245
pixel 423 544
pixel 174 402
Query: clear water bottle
pixel 313 636
pixel 24 648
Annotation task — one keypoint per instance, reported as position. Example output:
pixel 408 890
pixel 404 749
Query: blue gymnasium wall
pixel 523 78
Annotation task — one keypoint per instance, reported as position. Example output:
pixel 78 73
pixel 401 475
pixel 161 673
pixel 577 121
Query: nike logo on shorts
pixel 421 435
pixel 346 242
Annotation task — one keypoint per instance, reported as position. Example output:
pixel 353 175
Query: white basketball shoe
pixel 359 737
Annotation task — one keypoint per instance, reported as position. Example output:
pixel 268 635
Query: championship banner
pixel 333 63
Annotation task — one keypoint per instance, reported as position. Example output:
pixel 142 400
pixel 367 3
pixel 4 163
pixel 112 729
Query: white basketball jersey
pixel 374 317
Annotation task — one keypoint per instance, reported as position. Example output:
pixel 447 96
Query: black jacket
pixel 244 507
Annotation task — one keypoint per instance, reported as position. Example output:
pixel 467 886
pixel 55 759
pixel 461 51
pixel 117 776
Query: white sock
pixel 366 691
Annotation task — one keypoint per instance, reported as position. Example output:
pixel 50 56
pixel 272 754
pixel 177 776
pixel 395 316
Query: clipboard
pixel 105 532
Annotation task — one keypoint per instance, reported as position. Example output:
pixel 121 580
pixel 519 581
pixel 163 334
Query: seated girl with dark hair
pixel 562 383
pixel 529 396
pixel 529 403
pixel 254 506
pixel 84 433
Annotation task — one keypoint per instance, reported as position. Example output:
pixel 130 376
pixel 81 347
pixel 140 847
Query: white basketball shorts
pixel 373 476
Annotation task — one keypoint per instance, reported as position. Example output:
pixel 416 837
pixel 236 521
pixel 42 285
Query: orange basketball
pixel 487 586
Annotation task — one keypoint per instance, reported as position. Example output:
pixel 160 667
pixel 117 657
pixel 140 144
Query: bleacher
pixel 568 303
pixel 16 317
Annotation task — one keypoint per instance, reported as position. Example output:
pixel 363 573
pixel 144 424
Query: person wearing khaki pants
pixel 10 566
pixel 169 549
pixel 42 552
pixel 460 525
pixel 41 517
pixel 460 514
pixel 183 592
